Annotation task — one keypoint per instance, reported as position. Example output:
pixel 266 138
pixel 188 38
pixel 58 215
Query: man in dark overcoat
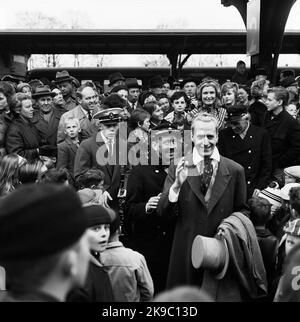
pixel 248 145
pixel 284 131
pixel 47 119
pixel 152 235
pixel 206 188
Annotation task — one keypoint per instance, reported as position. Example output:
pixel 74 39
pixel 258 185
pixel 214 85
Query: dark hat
pixel 48 151
pixel 118 88
pixel 39 220
pixel 63 76
pixel 156 81
pixel 42 91
pixel 189 80
pixel 109 115
pixel 97 215
pixel 115 77
pixel 237 111
pixel 132 83
pixel 114 100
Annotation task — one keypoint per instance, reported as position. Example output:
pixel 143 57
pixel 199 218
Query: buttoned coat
pixel 195 217
pixel 87 128
pixel 284 131
pixel 66 155
pixel 89 155
pixel 47 130
pixel 253 152
pixel 23 139
pixel 151 235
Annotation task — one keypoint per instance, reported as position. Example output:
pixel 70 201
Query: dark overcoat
pixel 195 217
pixel 151 235
pixel 284 131
pixel 253 152
pixel 89 155
pixel 47 131
pixel 22 138
pixel 66 155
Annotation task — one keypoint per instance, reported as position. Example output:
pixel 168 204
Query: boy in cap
pixel 97 287
pixel 130 278
pixel 44 250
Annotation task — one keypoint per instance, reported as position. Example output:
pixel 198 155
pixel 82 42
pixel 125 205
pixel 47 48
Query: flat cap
pixel 293 171
pixel 236 111
pixel 39 220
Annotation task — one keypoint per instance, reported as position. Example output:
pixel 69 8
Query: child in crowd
pixel 98 286
pixel 130 277
pixel 260 213
pixel 68 148
pixel 179 116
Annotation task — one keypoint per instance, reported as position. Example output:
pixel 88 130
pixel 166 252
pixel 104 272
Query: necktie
pixel 206 175
pixel 89 115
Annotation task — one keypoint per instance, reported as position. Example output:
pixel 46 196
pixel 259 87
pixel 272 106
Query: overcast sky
pixel 115 14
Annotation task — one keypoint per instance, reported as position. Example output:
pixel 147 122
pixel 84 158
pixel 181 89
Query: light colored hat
pixel 273 195
pixel 210 253
pixel 293 172
pixel 21 85
pixel 286 189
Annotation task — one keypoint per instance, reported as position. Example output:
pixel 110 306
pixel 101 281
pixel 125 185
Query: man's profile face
pixel 205 137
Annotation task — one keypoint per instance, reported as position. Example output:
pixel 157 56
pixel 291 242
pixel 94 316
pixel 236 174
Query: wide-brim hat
pixel 109 116
pixel 211 254
pixel 132 83
pixel 115 77
pixel 63 76
pixel 42 91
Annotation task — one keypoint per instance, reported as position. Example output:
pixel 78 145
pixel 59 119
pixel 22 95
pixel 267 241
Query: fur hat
pixel 114 100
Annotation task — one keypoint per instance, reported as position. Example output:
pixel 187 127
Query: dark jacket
pixel 253 153
pixel 23 139
pixel 47 131
pixel 66 155
pixel 5 121
pixel 151 235
pixel 258 112
pixel 284 131
pixel 90 155
pixel 97 287
pixel 195 217
pixel 268 244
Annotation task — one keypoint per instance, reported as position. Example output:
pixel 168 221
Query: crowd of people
pixel 133 194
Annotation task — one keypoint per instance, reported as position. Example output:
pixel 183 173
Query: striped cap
pixel 273 195
pixel 292 227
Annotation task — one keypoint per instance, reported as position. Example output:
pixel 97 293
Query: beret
pixel 97 215
pixel 39 220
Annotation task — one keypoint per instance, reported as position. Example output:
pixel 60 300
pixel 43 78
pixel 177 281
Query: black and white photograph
pixel 149 154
